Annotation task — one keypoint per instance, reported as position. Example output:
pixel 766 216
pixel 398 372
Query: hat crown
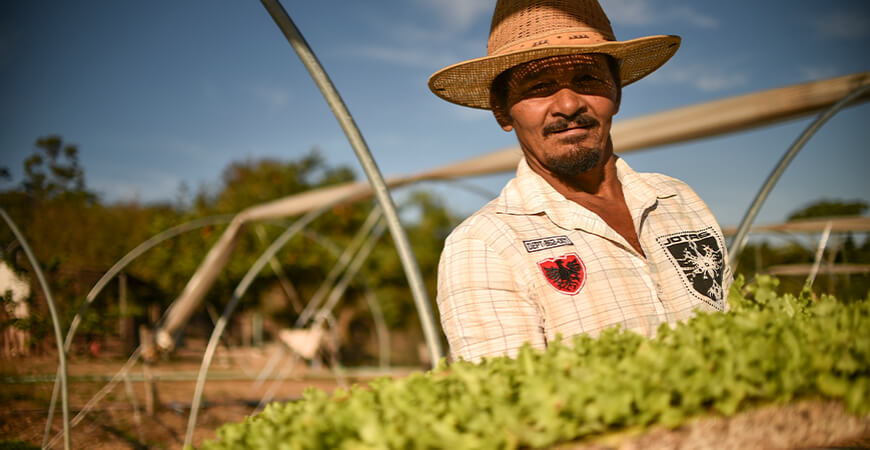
pixel 518 21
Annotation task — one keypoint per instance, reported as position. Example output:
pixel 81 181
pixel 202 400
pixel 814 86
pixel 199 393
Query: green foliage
pixel 829 208
pixel 250 182
pixel 76 238
pixel 16 445
pixel 768 348
pixel 53 170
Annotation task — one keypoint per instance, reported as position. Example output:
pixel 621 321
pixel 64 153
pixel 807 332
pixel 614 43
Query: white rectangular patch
pixel 536 245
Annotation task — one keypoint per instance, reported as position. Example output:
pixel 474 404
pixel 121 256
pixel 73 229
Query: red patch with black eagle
pixel 566 273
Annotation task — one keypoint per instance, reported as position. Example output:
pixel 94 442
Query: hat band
pixel 573 36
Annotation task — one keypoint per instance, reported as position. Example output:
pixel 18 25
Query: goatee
pixel 578 160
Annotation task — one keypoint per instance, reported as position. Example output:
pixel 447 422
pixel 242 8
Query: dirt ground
pixel 114 422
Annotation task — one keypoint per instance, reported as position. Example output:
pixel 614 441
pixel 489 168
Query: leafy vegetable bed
pixel 768 349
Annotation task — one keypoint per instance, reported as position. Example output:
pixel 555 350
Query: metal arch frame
pixel 118 377
pixel 469 187
pixel 132 255
pixel 95 291
pixel 55 321
pixel 737 242
pixel 383 343
pixel 114 270
pixel 352 269
pixel 242 287
pixel 817 259
pixel 283 280
pixel 91 296
pixel 324 314
pixel 343 261
pixel 344 258
pixel 240 290
pixel 340 265
pixel 126 260
pixel 740 237
pixel 382 194
pixel 377 315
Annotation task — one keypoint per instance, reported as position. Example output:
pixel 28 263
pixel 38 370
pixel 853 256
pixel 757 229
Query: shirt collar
pixel 530 194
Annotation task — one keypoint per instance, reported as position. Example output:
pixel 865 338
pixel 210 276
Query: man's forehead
pixel 588 62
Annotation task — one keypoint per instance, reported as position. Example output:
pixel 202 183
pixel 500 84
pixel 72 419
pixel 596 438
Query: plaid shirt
pixel 531 264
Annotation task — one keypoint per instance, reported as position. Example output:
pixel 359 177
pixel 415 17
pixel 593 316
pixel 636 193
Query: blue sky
pixel 160 93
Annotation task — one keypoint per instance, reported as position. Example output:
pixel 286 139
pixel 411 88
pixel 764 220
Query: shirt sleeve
pixel 483 311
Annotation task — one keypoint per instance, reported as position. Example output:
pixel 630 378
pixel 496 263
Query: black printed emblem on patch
pixel 698 256
pixel 536 245
pixel 566 273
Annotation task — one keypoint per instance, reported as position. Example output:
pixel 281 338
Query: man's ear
pixel 502 117
pixel 498 102
pixel 618 101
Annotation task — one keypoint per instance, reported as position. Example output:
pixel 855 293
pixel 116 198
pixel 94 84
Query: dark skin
pixel 562 116
pixel 608 202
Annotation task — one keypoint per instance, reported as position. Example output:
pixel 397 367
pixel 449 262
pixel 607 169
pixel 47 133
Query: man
pixel 578 241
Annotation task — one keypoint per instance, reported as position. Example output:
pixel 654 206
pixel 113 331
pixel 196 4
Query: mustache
pixel 563 123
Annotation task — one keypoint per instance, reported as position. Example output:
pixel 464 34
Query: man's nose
pixel 567 102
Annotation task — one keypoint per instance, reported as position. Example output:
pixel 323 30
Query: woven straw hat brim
pixel 468 83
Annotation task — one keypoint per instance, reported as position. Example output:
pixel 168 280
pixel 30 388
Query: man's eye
pixel 539 87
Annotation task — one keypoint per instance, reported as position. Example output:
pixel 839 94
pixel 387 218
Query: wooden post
pixel 149 354
pixel 122 305
pixel 257 319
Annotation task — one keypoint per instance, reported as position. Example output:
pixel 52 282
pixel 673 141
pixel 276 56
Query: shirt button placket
pixel 655 291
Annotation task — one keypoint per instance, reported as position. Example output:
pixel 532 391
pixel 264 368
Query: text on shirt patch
pixel 566 273
pixel 698 256
pixel 536 245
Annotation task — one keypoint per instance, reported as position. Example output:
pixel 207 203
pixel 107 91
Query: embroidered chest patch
pixel 566 273
pixel 536 245
pixel 698 256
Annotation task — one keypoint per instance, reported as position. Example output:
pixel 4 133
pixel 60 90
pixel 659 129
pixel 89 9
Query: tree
pixel 829 208
pixel 53 170
pixel 76 238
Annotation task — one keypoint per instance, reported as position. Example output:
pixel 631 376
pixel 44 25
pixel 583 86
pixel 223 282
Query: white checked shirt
pixel 531 264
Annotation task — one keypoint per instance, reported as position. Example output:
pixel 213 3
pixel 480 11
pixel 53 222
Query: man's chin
pixel 574 163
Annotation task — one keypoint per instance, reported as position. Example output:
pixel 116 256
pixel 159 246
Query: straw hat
pixel 526 30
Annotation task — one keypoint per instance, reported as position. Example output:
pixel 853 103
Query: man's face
pixel 561 109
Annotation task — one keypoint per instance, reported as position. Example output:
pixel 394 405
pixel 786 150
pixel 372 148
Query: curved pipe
pixel 743 230
pixel 135 253
pixel 352 269
pixel 325 313
pixel 283 280
pixel 119 376
pixel 114 270
pixel 55 321
pixel 339 267
pixel 820 251
pixel 403 246
pixel 341 264
pixel 380 322
pixel 231 306
pixel 273 388
pixel 381 329
pixel 481 192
